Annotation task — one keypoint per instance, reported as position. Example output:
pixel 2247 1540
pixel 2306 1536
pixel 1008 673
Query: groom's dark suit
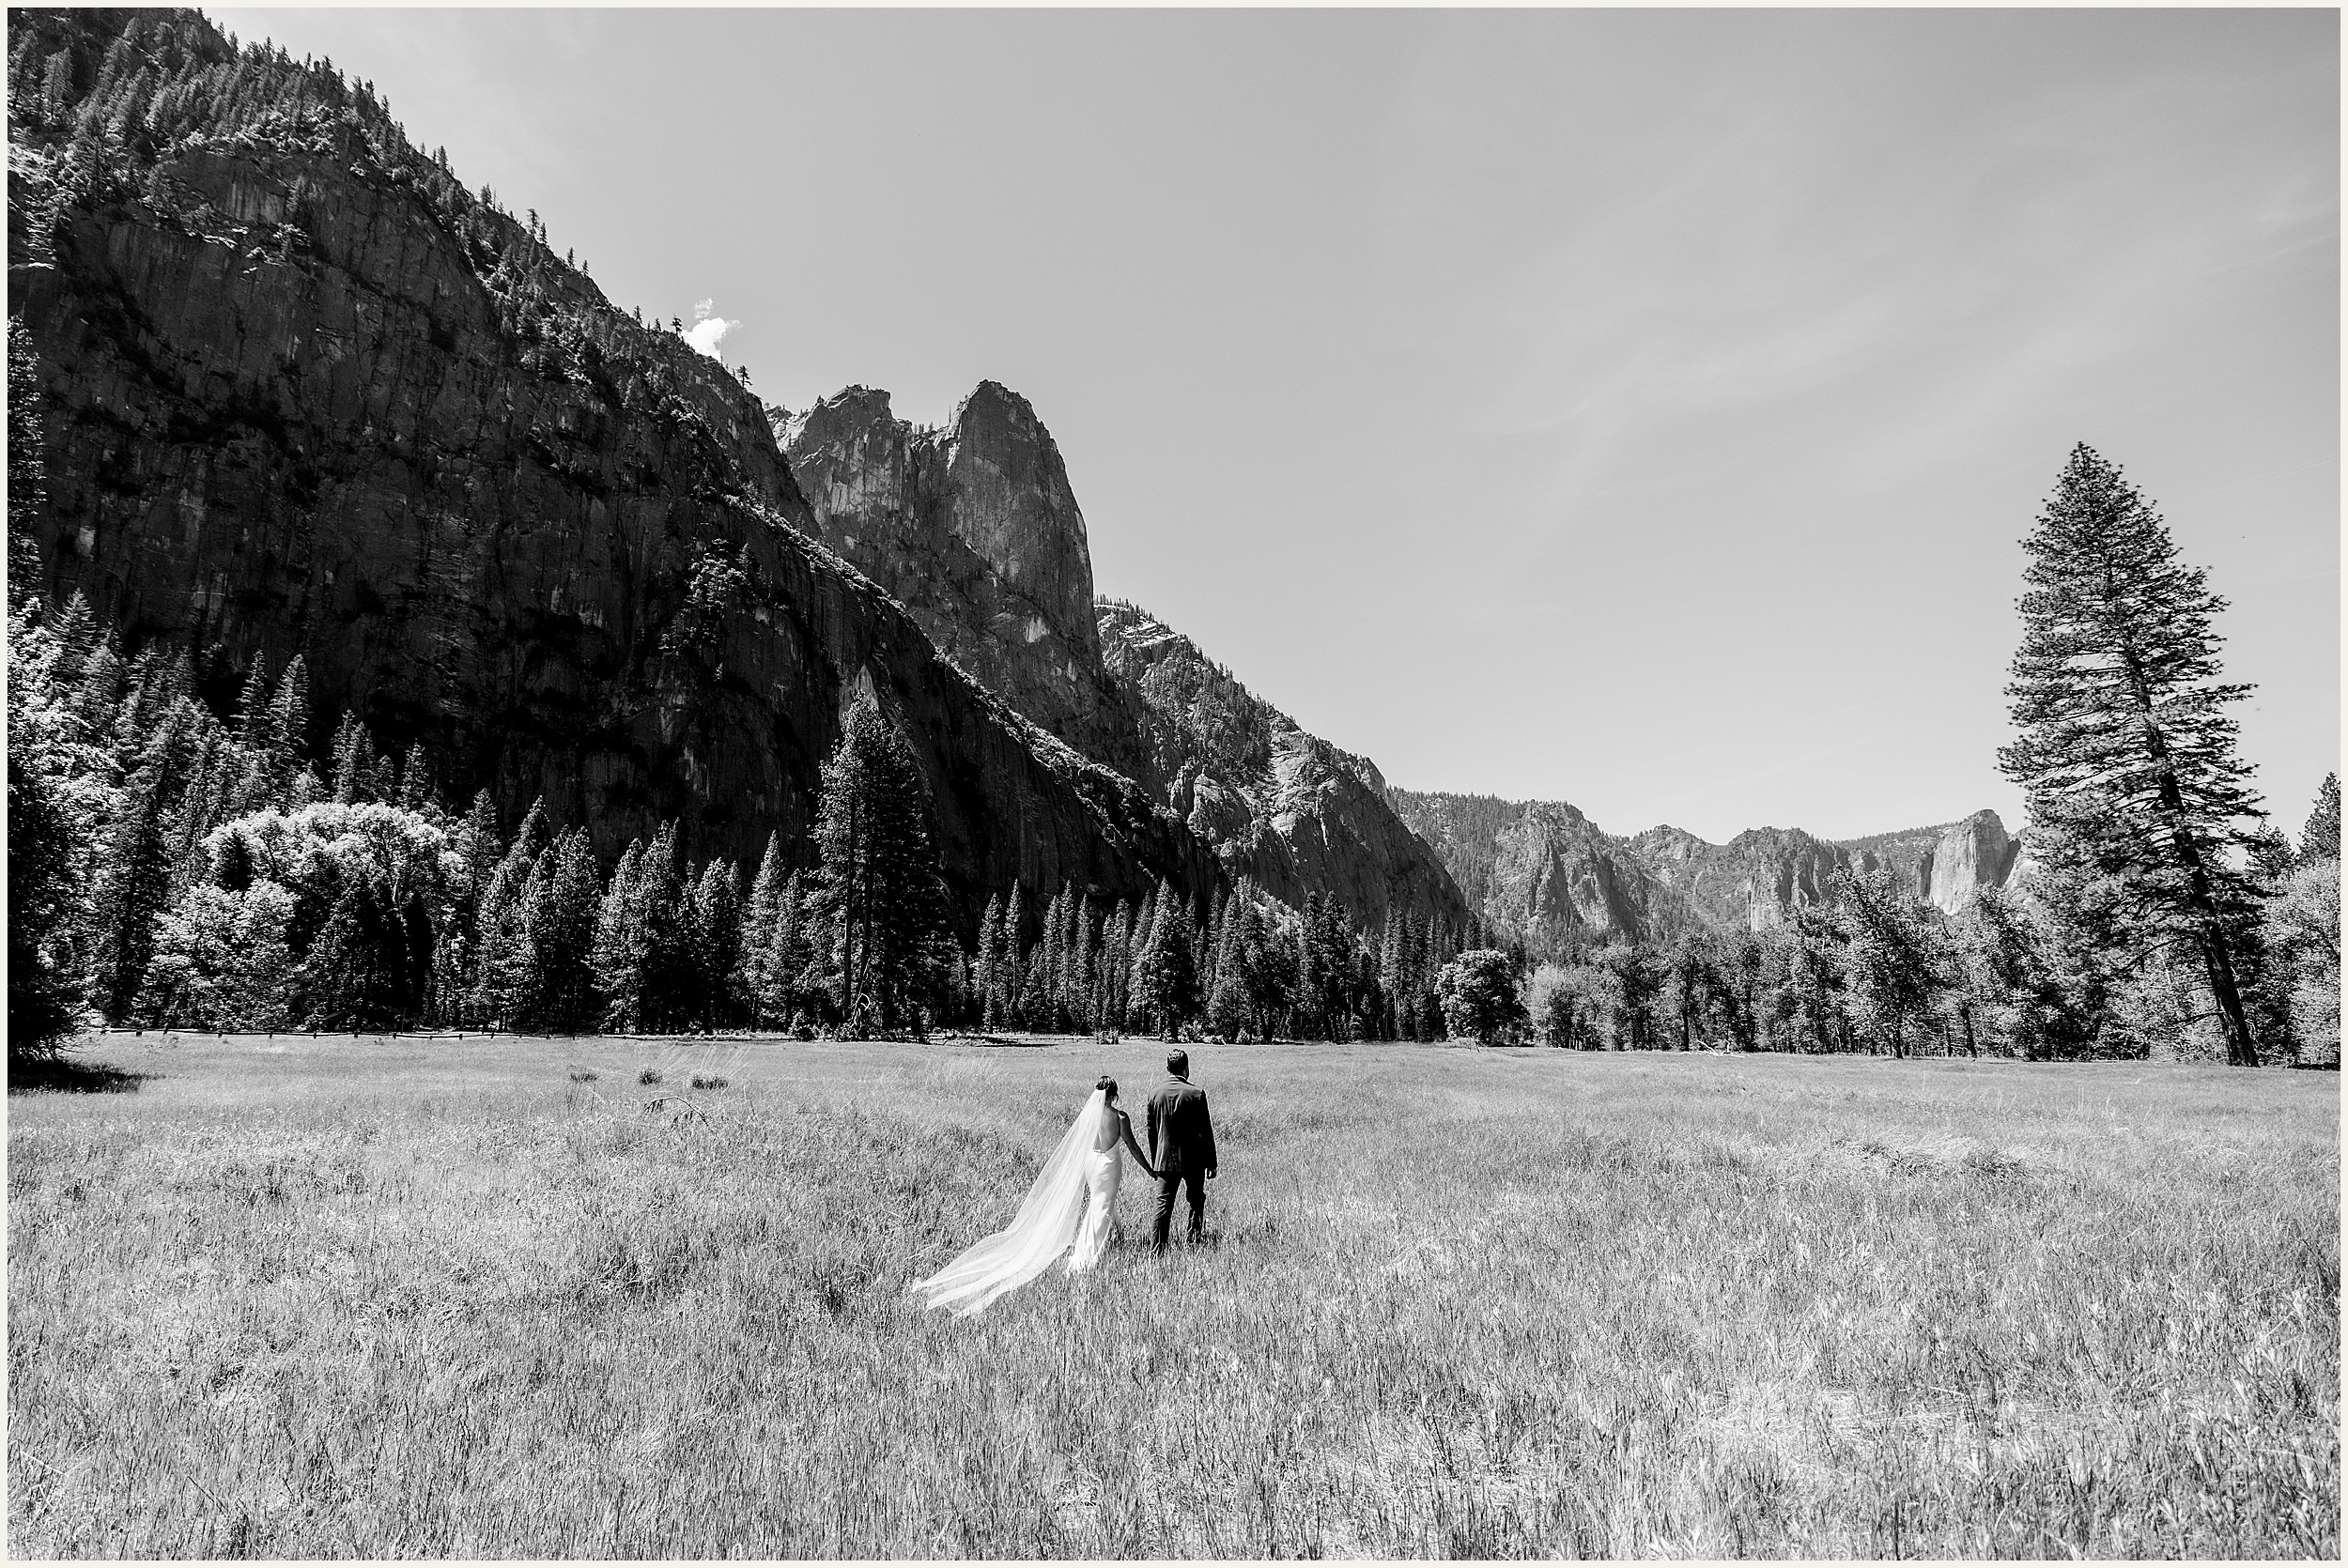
pixel 1182 1147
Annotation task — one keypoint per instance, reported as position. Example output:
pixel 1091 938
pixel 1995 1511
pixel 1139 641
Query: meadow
pixel 387 1298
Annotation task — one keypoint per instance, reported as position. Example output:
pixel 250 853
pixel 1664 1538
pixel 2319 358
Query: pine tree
pixel 718 939
pixel 881 891
pixel 198 812
pixel 1210 942
pixel 98 687
pixel 782 994
pixel 557 993
pixel 662 925
pixel 1009 966
pixel 2320 839
pixel 758 925
pixel 2124 746
pixel 1077 988
pixel 1164 977
pixel 354 754
pixel 1052 964
pixel 290 718
pixel 1390 987
pixel 503 953
pixel 619 942
pixel 137 888
pixel 74 633
pixel 252 710
pixel 415 790
pixel 479 848
pixel 1137 943
pixel 984 976
pixel 1201 950
pixel 28 499
pixel 1229 1012
pixel 1266 970
pixel 1116 963
pixel 1032 1007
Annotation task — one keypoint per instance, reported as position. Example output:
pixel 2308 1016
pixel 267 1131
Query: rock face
pixel 1752 881
pixel 1973 855
pixel 1277 805
pixel 1946 866
pixel 975 529
pixel 1536 870
pixel 1541 873
pixel 305 395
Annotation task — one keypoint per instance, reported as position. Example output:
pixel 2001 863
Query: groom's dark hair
pixel 1178 1062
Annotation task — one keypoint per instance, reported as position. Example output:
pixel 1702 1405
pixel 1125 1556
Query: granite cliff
pixel 1754 881
pixel 1541 873
pixel 1537 870
pixel 305 393
pixel 1278 805
pixel 974 526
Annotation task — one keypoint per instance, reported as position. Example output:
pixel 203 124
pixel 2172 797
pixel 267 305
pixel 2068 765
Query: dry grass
pixel 397 1297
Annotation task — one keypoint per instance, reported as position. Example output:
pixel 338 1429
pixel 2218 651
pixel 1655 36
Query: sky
pixel 1638 408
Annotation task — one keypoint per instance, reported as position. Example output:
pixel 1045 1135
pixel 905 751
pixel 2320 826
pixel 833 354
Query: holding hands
pixel 1125 1127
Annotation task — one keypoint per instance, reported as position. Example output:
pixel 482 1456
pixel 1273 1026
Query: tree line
pixel 1878 970
pixel 208 874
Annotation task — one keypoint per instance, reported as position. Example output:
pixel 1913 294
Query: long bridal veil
pixel 1040 1232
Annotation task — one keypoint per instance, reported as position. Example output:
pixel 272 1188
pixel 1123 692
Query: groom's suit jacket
pixel 1182 1136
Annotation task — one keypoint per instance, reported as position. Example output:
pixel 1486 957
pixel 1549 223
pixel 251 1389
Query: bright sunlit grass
pixel 327 1298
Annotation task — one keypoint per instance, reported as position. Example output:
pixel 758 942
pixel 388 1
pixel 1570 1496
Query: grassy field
pixel 301 1298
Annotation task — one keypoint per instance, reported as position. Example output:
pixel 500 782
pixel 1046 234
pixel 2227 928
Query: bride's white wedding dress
pixel 1055 1217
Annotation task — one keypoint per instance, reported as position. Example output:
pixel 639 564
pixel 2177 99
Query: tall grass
pixel 388 1299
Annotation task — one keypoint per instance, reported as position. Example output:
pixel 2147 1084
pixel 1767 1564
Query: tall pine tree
pixel 882 899
pixel 2124 748
pixel 557 994
pixel 1165 978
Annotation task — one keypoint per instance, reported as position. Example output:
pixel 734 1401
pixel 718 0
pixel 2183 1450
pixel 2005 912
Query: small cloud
pixel 707 331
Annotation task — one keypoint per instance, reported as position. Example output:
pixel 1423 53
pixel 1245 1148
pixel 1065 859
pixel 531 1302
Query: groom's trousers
pixel 1167 1186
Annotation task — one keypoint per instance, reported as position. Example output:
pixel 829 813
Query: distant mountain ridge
pixel 1543 874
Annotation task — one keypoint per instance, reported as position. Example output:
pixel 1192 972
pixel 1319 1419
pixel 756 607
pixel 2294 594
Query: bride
pixel 1088 1161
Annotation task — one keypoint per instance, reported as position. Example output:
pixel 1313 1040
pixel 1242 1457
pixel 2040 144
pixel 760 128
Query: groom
pixel 1181 1145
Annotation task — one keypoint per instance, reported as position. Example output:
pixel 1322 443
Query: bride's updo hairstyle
pixel 1109 1086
